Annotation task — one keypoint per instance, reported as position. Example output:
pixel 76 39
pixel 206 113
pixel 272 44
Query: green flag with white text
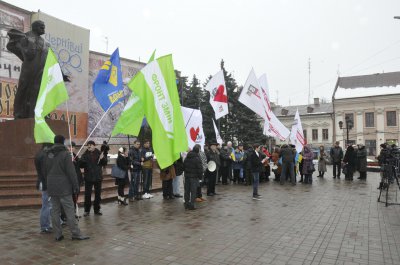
pixel 52 93
pixel 155 85
pixel 131 118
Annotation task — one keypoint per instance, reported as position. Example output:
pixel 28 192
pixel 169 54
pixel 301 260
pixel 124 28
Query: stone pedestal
pixel 17 144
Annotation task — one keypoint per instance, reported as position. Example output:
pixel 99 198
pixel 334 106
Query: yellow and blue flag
pixel 108 87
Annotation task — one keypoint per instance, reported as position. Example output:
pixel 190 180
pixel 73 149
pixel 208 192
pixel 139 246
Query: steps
pixel 19 189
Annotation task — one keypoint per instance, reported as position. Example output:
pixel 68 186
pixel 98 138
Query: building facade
pixel 316 120
pixel 372 104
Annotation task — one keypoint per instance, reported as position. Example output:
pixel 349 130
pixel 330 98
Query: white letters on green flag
pixel 131 118
pixel 155 85
pixel 52 93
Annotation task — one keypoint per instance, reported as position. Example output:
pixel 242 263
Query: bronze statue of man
pixel 32 50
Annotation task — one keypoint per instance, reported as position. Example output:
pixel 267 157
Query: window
pixel 391 118
pixel 315 134
pixel 370 145
pixel 305 135
pixel 369 119
pixel 325 134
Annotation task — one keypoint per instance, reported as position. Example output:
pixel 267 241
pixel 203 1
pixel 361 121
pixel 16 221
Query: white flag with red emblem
pixel 194 126
pixel 252 97
pixel 296 135
pixel 217 135
pixel 218 94
pixel 272 126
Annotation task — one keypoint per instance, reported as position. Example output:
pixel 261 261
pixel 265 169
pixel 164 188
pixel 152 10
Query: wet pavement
pixel 328 222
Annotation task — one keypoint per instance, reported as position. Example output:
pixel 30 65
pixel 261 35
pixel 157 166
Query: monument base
pixel 17 143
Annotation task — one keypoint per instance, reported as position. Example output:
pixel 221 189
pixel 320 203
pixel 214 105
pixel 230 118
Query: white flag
pixel 194 126
pixel 218 94
pixel 272 125
pixel 217 136
pixel 296 135
pixel 251 95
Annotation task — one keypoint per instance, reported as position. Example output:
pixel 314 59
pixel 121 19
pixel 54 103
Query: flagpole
pixel 189 119
pixel 69 131
pixel 95 127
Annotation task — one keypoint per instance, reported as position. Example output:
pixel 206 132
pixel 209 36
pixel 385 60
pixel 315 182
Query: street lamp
pixel 349 126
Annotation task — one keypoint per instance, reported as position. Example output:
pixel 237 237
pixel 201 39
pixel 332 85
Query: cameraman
pixel 382 157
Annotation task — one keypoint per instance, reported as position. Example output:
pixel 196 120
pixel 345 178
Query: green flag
pixel 155 85
pixel 52 93
pixel 152 56
pixel 131 118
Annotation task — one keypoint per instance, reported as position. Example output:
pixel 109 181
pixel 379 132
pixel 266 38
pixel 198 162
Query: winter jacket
pixel 255 162
pixel 92 165
pixel 238 163
pixel 178 164
pixel 203 158
pixel 213 156
pixel 60 172
pixel 147 157
pixel 350 158
pixel 308 156
pixel 288 154
pixel 362 159
pixel 225 158
pixel 135 159
pixel 336 154
pixel 193 166
pixel 322 161
pixel 167 173
pixel 40 166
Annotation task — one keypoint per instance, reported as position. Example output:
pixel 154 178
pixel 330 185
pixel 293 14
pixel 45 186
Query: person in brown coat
pixel 167 175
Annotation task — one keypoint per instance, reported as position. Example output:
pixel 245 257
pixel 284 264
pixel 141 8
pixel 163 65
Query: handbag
pixel 118 173
pixel 345 169
pixel 311 168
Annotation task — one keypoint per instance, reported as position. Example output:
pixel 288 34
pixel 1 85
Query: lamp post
pixel 349 126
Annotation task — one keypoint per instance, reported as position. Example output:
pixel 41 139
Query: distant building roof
pixel 312 109
pixel 367 85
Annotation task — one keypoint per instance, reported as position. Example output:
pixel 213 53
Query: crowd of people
pixel 60 174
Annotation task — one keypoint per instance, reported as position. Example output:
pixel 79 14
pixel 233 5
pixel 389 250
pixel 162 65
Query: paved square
pixel 328 222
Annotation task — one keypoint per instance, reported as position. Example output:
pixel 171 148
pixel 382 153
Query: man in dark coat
pixel 288 155
pixel 62 182
pixel 92 162
pixel 336 156
pixel 193 172
pixel 362 161
pixel 255 165
pixel 225 159
pixel 212 155
pixel 136 169
pixel 41 184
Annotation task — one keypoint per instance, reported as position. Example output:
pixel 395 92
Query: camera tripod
pixel 390 174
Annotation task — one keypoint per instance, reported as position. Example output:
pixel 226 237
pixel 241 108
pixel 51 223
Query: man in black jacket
pixel 136 169
pixel 62 182
pixel 255 164
pixel 212 155
pixel 92 162
pixel 41 184
pixel 193 172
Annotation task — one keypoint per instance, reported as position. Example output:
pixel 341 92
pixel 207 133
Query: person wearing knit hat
pixel 62 183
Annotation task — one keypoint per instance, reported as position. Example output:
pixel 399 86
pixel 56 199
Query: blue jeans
pixel 45 219
pixel 147 179
pixel 176 183
pixel 134 185
pixel 256 180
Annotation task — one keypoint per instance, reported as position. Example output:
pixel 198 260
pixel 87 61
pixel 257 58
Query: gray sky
pixel 276 37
